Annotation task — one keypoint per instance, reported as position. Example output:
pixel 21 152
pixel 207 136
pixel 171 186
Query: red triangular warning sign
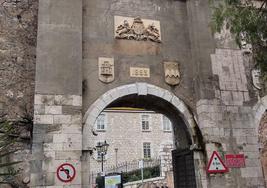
pixel 216 164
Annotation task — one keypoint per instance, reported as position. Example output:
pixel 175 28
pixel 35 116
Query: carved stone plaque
pixel 106 69
pixel 137 29
pixel 172 73
pixel 139 72
pixel 256 78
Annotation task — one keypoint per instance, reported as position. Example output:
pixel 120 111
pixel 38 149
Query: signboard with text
pixel 235 161
pixel 113 181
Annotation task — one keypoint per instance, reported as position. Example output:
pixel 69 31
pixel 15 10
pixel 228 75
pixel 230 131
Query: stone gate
pixel 157 54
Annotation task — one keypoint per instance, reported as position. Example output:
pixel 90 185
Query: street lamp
pixel 102 148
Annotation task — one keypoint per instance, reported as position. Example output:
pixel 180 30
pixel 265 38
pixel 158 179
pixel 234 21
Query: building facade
pixel 132 135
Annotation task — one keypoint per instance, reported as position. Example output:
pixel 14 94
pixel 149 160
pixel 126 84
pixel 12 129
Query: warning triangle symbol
pixel 216 164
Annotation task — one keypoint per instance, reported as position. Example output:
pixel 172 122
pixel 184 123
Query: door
pixel 183 169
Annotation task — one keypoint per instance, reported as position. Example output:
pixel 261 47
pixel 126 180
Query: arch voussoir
pixel 140 89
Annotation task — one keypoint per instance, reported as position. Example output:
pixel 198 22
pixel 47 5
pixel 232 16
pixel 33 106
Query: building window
pixel 147 150
pixel 166 124
pixel 145 122
pixel 101 122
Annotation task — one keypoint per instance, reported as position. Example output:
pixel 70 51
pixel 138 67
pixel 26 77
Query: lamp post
pixel 102 148
pixel 116 158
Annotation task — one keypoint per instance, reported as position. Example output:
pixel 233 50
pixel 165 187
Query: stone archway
pixel 139 89
pixel 142 90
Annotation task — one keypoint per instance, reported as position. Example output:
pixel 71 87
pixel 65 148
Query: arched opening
pixel 187 139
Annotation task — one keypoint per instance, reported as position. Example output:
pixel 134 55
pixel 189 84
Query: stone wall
pixel 216 88
pixel 58 94
pixel 99 41
pixel 57 137
pixel 227 122
pixel 18 33
pixel 263 144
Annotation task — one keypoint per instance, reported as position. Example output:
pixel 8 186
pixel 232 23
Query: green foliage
pixel 10 142
pixel 149 172
pixel 246 22
pixel 7 141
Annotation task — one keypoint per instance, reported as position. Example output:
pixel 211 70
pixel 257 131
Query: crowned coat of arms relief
pixel 137 29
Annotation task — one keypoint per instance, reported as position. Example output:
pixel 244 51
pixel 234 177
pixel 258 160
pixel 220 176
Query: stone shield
pixel 106 69
pixel 172 73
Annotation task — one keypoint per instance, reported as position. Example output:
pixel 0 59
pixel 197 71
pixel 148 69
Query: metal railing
pixel 123 167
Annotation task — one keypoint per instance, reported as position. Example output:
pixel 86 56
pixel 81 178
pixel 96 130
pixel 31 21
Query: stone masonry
pixel 227 123
pixel 213 102
pixel 57 138
pixel 124 132
pixel 18 31
pixel 58 93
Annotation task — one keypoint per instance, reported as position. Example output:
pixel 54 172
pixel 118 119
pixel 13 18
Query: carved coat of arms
pixel 172 73
pixel 106 69
pixel 256 78
pixel 138 31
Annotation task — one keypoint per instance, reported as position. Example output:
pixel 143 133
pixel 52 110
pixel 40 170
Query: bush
pixel 135 175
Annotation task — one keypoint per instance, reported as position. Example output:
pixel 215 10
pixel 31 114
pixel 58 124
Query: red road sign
pixel 216 164
pixel 66 172
pixel 235 161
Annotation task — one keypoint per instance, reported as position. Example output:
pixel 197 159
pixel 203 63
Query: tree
pixel 11 139
pixel 247 21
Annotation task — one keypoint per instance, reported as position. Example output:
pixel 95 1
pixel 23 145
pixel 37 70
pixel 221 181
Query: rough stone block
pixel 43 119
pixel 76 119
pixel 37 148
pixel 37 179
pixel 39 109
pixel 38 138
pixel 251 172
pixel 62 119
pixel 167 96
pixel 71 110
pixel 38 99
pixel 72 145
pixel 226 97
pixel 63 100
pixel 50 179
pixel 251 147
pixel 35 166
pixel 68 155
pixel 48 138
pixel 76 100
pixel 132 88
pixel 55 128
pixel 48 99
pixel 39 128
pixel 107 98
pixel 53 146
pixel 53 110
pixel 72 128
pixel 142 88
